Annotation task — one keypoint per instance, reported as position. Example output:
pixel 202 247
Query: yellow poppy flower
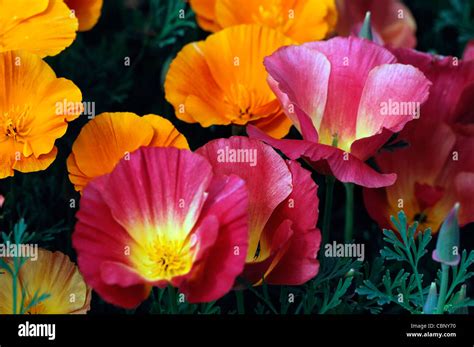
pixel 87 11
pixel 43 27
pixel 222 80
pixel 110 137
pixel 35 108
pixel 302 20
pixel 53 274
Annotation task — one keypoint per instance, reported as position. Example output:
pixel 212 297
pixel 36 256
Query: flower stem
pixel 14 293
pixel 444 288
pixel 172 300
pixel 349 221
pixel 328 208
pixel 240 301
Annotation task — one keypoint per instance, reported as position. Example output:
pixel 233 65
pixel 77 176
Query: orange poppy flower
pixel 302 20
pixel 110 137
pixel 52 274
pixel 35 108
pixel 87 11
pixel 43 27
pixel 222 80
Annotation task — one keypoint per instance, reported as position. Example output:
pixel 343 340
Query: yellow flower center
pixel 271 15
pixel 245 102
pixel 164 259
pixel 13 122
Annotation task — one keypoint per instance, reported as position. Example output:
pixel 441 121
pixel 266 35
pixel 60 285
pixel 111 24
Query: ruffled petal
pixel 265 172
pixel 329 160
pixel 299 77
pixel 391 108
pixel 352 60
pixel 44 28
pixel 86 11
pixel 224 260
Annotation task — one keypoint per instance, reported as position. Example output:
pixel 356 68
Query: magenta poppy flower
pixel 283 210
pixel 346 96
pixel 469 51
pixel 162 218
pixel 451 94
pixel 436 170
pixel 392 22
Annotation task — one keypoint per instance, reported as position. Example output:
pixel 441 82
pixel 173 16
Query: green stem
pixel 328 208
pixel 349 221
pixel 418 283
pixel 444 288
pixel 173 303
pixel 15 283
pixel 238 130
pixel 240 301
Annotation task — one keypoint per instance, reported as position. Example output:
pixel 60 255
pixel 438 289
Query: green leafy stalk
pixel 443 289
pixel 172 301
pixel 240 301
pixel 330 180
pixel 349 221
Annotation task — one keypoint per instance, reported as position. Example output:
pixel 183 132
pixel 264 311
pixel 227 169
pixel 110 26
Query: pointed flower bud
pixel 366 31
pixel 447 247
pixel 459 297
pixel 432 300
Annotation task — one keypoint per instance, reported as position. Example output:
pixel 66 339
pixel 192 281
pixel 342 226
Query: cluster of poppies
pixel 30 123
pixel 155 213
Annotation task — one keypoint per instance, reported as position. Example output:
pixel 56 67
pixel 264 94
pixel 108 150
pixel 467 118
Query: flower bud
pixel 447 247
pixel 431 301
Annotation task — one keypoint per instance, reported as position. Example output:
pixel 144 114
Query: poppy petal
pixel 259 161
pixel 344 166
pixel 409 89
pixel 225 259
pixel 301 76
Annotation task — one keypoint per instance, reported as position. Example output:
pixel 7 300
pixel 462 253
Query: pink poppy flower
pixel 2 200
pixel 346 96
pixel 453 85
pixel 392 22
pixel 162 218
pixel 469 51
pixel 283 210
pixel 436 170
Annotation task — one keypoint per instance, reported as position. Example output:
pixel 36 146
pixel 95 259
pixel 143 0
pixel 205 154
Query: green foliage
pixel 165 301
pixel 19 236
pixel 457 16
pixel 407 246
pixel 326 291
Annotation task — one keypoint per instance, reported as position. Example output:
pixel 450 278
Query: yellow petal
pixel 30 117
pixel 205 13
pixel 191 89
pixel 33 164
pixel 166 135
pixel 87 11
pixel 222 80
pixel 109 137
pixel 43 27
pixel 106 139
